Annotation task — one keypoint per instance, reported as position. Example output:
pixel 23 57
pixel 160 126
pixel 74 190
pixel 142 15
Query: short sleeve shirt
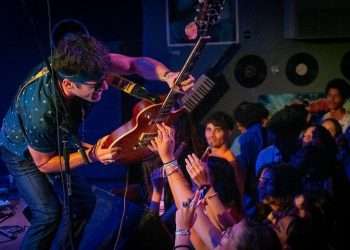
pixel 31 118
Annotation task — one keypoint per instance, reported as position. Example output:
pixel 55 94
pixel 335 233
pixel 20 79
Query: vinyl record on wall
pixel 302 69
pixel 345 65
pixel 250 71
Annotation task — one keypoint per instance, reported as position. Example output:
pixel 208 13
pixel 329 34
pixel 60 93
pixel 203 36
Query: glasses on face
pixel 95 86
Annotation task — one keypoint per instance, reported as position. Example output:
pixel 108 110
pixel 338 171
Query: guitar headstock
pixel 208 14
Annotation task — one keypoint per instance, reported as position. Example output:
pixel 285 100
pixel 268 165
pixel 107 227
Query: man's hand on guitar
pixel 104 155
pixel 185 85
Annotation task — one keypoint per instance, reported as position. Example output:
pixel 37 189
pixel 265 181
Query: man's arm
pixel 145 67
pixel 148 68
pixel 51 162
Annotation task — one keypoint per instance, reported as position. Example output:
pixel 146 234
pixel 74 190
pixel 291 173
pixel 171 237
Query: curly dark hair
pixel 256 236
pixel 249 113
pixel 319 156
pixel 224 181
pixel 220 119
pixel 341 85
pixel 281 181
pixel 286 126
pixel 78 53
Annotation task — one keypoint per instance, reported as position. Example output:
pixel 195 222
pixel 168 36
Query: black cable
pixel 54 82
pixel 120 229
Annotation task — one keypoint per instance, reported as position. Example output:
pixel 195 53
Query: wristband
pixel 172 171
pixel 182 232
pixel 170 164
pixel 182 246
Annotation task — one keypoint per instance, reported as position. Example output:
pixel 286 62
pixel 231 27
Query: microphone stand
pixel 67 180
pixel 67 190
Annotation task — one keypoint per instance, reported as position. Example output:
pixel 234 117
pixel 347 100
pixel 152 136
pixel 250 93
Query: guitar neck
pixel 192 58
pixel 188 66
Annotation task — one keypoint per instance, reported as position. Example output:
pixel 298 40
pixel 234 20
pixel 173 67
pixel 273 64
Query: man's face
pixel 215 136
pixel 335 99
pixel 90 91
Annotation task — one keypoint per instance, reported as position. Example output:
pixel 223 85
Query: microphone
pixel 206 153
pixel 76 143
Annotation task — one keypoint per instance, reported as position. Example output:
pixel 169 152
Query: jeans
pixel 43 194
pixel 101 232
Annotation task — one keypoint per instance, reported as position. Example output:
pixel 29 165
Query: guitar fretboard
pixel 171 97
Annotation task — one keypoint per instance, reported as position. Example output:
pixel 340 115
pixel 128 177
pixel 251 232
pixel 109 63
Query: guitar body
pixel 134 136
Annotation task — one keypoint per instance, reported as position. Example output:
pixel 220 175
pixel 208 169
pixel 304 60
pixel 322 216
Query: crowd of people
pixel 294 169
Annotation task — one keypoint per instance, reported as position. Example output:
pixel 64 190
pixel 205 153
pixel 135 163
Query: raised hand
pixel 185 85
pixel 164 143
pixel 198 170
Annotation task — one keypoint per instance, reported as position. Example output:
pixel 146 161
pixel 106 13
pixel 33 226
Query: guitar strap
pixel 130 88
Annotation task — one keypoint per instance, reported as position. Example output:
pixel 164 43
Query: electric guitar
pixel 134 136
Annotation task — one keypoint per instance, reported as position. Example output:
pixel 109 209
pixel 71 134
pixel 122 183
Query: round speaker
pixel 250 71
pixel 345 65
pixel 302 69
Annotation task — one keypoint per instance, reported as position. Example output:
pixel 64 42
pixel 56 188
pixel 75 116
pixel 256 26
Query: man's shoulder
pixel 251 133
pixel 272 149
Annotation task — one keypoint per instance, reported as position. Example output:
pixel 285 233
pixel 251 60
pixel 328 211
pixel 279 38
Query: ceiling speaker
pixel 250 71
pixel 302 69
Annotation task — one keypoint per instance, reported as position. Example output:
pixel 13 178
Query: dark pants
pixel 49 223
pixel 112 224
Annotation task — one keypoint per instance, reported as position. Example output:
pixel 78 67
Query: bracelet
pixel 182 246
pixel 169 162
pixel 173 171
pixel 209 196
pixel 182 232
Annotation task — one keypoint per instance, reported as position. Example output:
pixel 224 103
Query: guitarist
pixel 50 105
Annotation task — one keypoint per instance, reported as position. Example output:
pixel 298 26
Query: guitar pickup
pixel 145 139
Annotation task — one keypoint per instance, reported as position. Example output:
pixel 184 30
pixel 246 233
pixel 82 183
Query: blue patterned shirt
pixel 31 118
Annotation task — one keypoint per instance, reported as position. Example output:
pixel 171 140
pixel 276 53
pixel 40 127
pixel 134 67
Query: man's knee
pixel 50 215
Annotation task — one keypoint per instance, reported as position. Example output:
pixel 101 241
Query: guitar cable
pixel 124 209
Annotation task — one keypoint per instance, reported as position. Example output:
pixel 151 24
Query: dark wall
pixel 261 33
pixel 117 23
